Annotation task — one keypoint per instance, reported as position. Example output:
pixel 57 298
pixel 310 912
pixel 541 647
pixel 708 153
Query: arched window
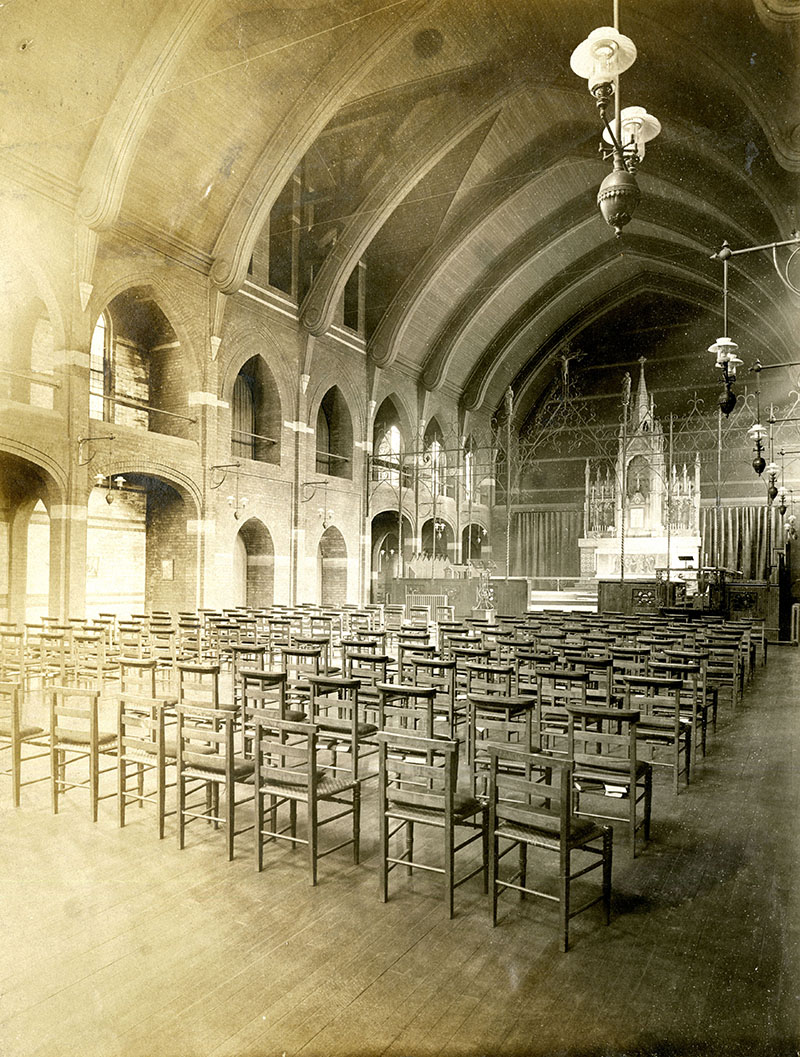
pixel 469 472
pixel 100 376
pixel 387 445
pixel 135 372
pixel 436 459
pixel 255 414
pixel 244 418
pixel 334 436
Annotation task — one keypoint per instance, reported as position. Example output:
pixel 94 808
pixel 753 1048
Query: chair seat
pixel 513 705
pixel 215 764
pixel 171 749
pixel 544 834
pixel 326 787
pixel 659 725
pixel 24 732
pixel 82 737
pixel 343 726
pixel 612 770
pixel 464 806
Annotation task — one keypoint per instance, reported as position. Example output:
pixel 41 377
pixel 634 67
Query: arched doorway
pixel 437 539
pixel 29 551
pixel 37 585
pixel 332 568
pixel 139 553
pixel 474 538
pixel 386 564
pixel 254 566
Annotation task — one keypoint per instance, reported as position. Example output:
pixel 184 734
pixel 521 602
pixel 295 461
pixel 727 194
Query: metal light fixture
pixel 326 514
pixel 772 473
pixel 782 494
pixel 727 360
pixel 106 479
pixel 601 58
pixel 758 435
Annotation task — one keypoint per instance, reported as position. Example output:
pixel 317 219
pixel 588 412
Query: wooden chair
pixel 498 718
pixel 343 728
pixel 555 689
pixel 215 774
pixel 18 738
pixel 531 806
pixel 244 655
pixel 142 751
pixel 406 707
pixel 299 663
pixel 91 665
pixel 601 744
pixel 75 736
pixel 661 725
pixel 370 669
pixel 137 675
pixel 441 674
pixel 406 652
pixel 287 773
pixel 410 793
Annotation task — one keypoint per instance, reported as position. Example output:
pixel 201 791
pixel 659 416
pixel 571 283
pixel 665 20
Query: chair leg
pixel 495 850
pixel 312 838
pixel 383 872
pixel 564 880
pixel 523 866
pixel 648 803
pixel 181 794
pixel 356 823
pixel 16 769
pixel 258 825
pixel 161 799
pixel 230 815
pixel 608 848
pixel 94 779
pixel 122 768
pixel 633 793
pixel 54 776
pixel 485 848
pixel 449 867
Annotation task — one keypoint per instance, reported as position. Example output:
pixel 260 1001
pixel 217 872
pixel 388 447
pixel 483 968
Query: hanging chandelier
pixel 600 59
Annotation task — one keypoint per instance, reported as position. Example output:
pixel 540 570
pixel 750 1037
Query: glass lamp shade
pixel 772 468
pixel 603 56
pixel 757 432
pixel 638 128
pixel 723 349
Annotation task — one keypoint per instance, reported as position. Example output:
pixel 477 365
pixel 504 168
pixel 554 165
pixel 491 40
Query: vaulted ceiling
pixel 450 147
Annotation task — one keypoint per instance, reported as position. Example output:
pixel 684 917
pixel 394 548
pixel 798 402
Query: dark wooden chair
pixel 417 786
pixel 288 773
pixel 23 742
pixel 75 736
pixel 602 744
pixel 531 807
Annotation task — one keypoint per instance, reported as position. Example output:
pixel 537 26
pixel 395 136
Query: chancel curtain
pixel 545 543
pixel 737 537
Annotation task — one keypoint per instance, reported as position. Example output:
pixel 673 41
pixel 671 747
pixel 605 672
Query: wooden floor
pixel 114 943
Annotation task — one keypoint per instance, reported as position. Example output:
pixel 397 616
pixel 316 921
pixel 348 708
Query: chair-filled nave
pixel 399 576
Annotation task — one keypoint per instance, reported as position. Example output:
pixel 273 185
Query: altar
pixel 642 515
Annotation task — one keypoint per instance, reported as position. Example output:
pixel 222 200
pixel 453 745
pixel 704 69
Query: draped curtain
pixel 545 543
pixel 736 537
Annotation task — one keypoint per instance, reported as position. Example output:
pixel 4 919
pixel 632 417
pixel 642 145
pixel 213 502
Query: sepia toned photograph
pixel 399 558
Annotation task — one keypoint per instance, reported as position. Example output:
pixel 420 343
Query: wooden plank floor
pixel 117 944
